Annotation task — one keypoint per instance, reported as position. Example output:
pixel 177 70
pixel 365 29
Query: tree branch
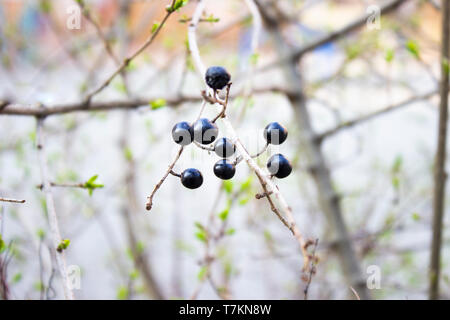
pixel 440 175
pixel 332 36
pixel 11 200
pixel 51 211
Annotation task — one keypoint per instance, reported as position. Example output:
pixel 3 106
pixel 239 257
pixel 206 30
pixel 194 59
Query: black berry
pixel 279 166
pixel 183 133
pixel 191 178
pixel 275 133
pixel 224 148
pixel 217 77
pixel 224 169
pixel 205 132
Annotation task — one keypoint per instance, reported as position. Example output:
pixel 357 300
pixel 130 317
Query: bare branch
pixel 332 36
pixel 11 200
pixel 149 204
pixel 127 61
pixel 370 116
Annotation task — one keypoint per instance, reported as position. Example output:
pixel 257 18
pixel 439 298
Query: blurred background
pixel 218 241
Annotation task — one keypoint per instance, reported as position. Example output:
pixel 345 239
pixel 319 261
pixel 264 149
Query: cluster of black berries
pixel 205 132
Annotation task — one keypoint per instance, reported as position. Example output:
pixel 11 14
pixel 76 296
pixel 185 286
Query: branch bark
pixel 440 175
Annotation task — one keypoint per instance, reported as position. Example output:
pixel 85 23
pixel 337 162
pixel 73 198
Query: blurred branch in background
pixel 51 212
pixel 440 174
pixel 328 198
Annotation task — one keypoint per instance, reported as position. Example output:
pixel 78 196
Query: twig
pixel 355 293
pixel 149 204
pixel 127 61
pixel 312 269
pixel 332 36
pixel 59 109
pixel 64 185
pixel 370 116
pixel 11 200
pixel 52 216
pixel 440 175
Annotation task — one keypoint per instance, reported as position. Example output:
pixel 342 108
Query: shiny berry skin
pixel 217 77
pixel 205 132
pixel 224 148
pixel 224 169
pixel 191 178
pixel 183 133
pixel 275 133
pixel 279 166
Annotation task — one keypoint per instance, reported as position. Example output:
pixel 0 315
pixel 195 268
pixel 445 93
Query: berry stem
pixel 149 204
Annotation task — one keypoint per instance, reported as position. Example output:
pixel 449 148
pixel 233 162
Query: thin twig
pixel 370 116
pixel 52 216
pixel 127 61
pixel 312 269
pixel 11 200
pixel 149 204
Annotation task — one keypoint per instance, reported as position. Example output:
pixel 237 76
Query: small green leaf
pixel 254 59
pixel 177 5
pixel 199 225
pixel 128 154
pixel 244 200
pixel 267 235
pixel 122 293
pixel 90 185
pixel 416 216
pixel 2 244
pixel 120 86
pixel 397 165
pixel 202 273
pixel 389 56
pixel 38 286
pixel 17 277
pixel 140 247
pixel 41 233
pixel 212 19
pixel 247 184
pixel 155 26
pixel 201 235
pixel 413 48
pixel 224 214
pixel 353 51
pixel 63 245
pixel 395 182
pixel 134 274
pixel 228 186
pixel 230 231
pixel 158 103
